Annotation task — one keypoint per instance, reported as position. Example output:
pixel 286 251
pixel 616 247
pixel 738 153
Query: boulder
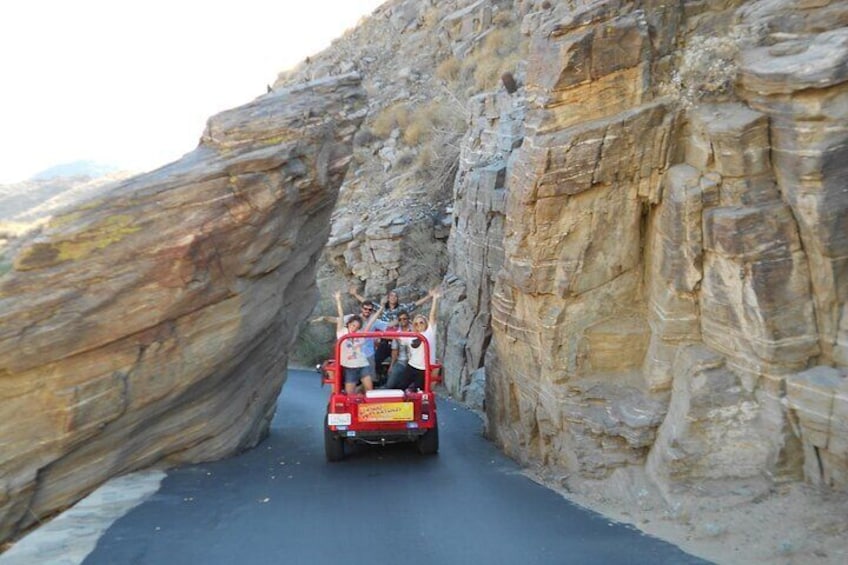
pixel 153 324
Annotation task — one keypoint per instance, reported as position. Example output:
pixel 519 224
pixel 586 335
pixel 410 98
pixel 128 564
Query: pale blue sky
pixel 131 83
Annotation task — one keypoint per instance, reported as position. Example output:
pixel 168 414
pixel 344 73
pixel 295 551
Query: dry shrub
pixel 443 121
pixel 436 115
pixel 486 74
pixel 416 131
pixel 499 52
pixel 391 117
pixel 437 164
pixel 448 70
pixel 503 18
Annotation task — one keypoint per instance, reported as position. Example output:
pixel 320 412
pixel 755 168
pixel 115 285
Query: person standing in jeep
pixel 400 353
pixel 413 375
pixel 356 365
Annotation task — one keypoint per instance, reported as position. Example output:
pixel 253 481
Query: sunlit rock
pixel 153 325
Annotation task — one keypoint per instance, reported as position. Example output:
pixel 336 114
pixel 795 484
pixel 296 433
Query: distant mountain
pixel 55 188
pixel 90 169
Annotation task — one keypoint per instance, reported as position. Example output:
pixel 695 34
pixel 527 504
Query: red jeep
pixel 380 416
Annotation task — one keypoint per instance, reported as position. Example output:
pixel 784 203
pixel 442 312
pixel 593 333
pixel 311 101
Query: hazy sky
pixel 131 82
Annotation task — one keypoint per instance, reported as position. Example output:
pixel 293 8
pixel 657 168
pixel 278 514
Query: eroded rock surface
pixel 154 323
pixel 673 246
pixel 648 236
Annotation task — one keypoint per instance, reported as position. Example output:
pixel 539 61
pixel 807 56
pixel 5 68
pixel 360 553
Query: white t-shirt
pixel 351 354
pixel 416 354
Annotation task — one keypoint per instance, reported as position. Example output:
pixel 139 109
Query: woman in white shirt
pixel 413 376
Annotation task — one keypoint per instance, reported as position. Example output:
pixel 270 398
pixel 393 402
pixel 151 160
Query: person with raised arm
pixel 413 375
pixel 392 307
pixel 356 366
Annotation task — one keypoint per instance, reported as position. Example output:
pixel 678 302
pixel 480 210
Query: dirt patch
pixel 794 523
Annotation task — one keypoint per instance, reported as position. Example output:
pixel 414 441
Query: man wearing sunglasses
pixel 400 353
pixel 366 310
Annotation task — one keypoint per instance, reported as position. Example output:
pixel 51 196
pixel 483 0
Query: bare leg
pixel 350 388
pixel 367 383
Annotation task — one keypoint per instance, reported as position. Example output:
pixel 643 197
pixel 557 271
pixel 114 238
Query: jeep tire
pixel 333 445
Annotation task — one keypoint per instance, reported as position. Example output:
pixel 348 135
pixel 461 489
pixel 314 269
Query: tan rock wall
pixel 802 85
pixel 153 324
pixel 673 246
pixel 568 310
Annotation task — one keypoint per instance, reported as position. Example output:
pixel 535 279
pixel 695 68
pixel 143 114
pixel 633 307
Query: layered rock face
pixel 476 243
pixel 154 323
pixel 674 246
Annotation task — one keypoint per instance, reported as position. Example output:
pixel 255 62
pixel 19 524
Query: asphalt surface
pixel 283 503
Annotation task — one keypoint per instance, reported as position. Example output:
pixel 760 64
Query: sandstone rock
pixel 802 84
pixel 713 438
pixel 567 312
pixel 791 17
pixel 671 259
pixel 612 53
pixel 153 325
pixel 674 272
pixel 819 399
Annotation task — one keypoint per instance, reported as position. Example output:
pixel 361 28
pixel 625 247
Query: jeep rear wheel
pixel 333 445
pixel 428 444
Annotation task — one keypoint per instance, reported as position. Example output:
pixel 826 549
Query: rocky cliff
pixel 153 324
pixel 675 246
pixel 646 266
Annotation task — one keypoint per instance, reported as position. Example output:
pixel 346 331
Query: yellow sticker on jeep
pixel 386 412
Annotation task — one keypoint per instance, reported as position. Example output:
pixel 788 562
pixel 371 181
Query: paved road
pixel 282 503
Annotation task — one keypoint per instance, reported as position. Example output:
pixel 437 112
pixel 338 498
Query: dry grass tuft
pixel 428 119
pixel 390 118
pixel 499 52
pixel 448 70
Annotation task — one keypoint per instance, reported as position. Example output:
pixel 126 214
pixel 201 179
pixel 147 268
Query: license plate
pixel 386 412
pixel 338 419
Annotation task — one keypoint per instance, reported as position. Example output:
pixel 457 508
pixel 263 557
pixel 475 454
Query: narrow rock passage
pixel 282 503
